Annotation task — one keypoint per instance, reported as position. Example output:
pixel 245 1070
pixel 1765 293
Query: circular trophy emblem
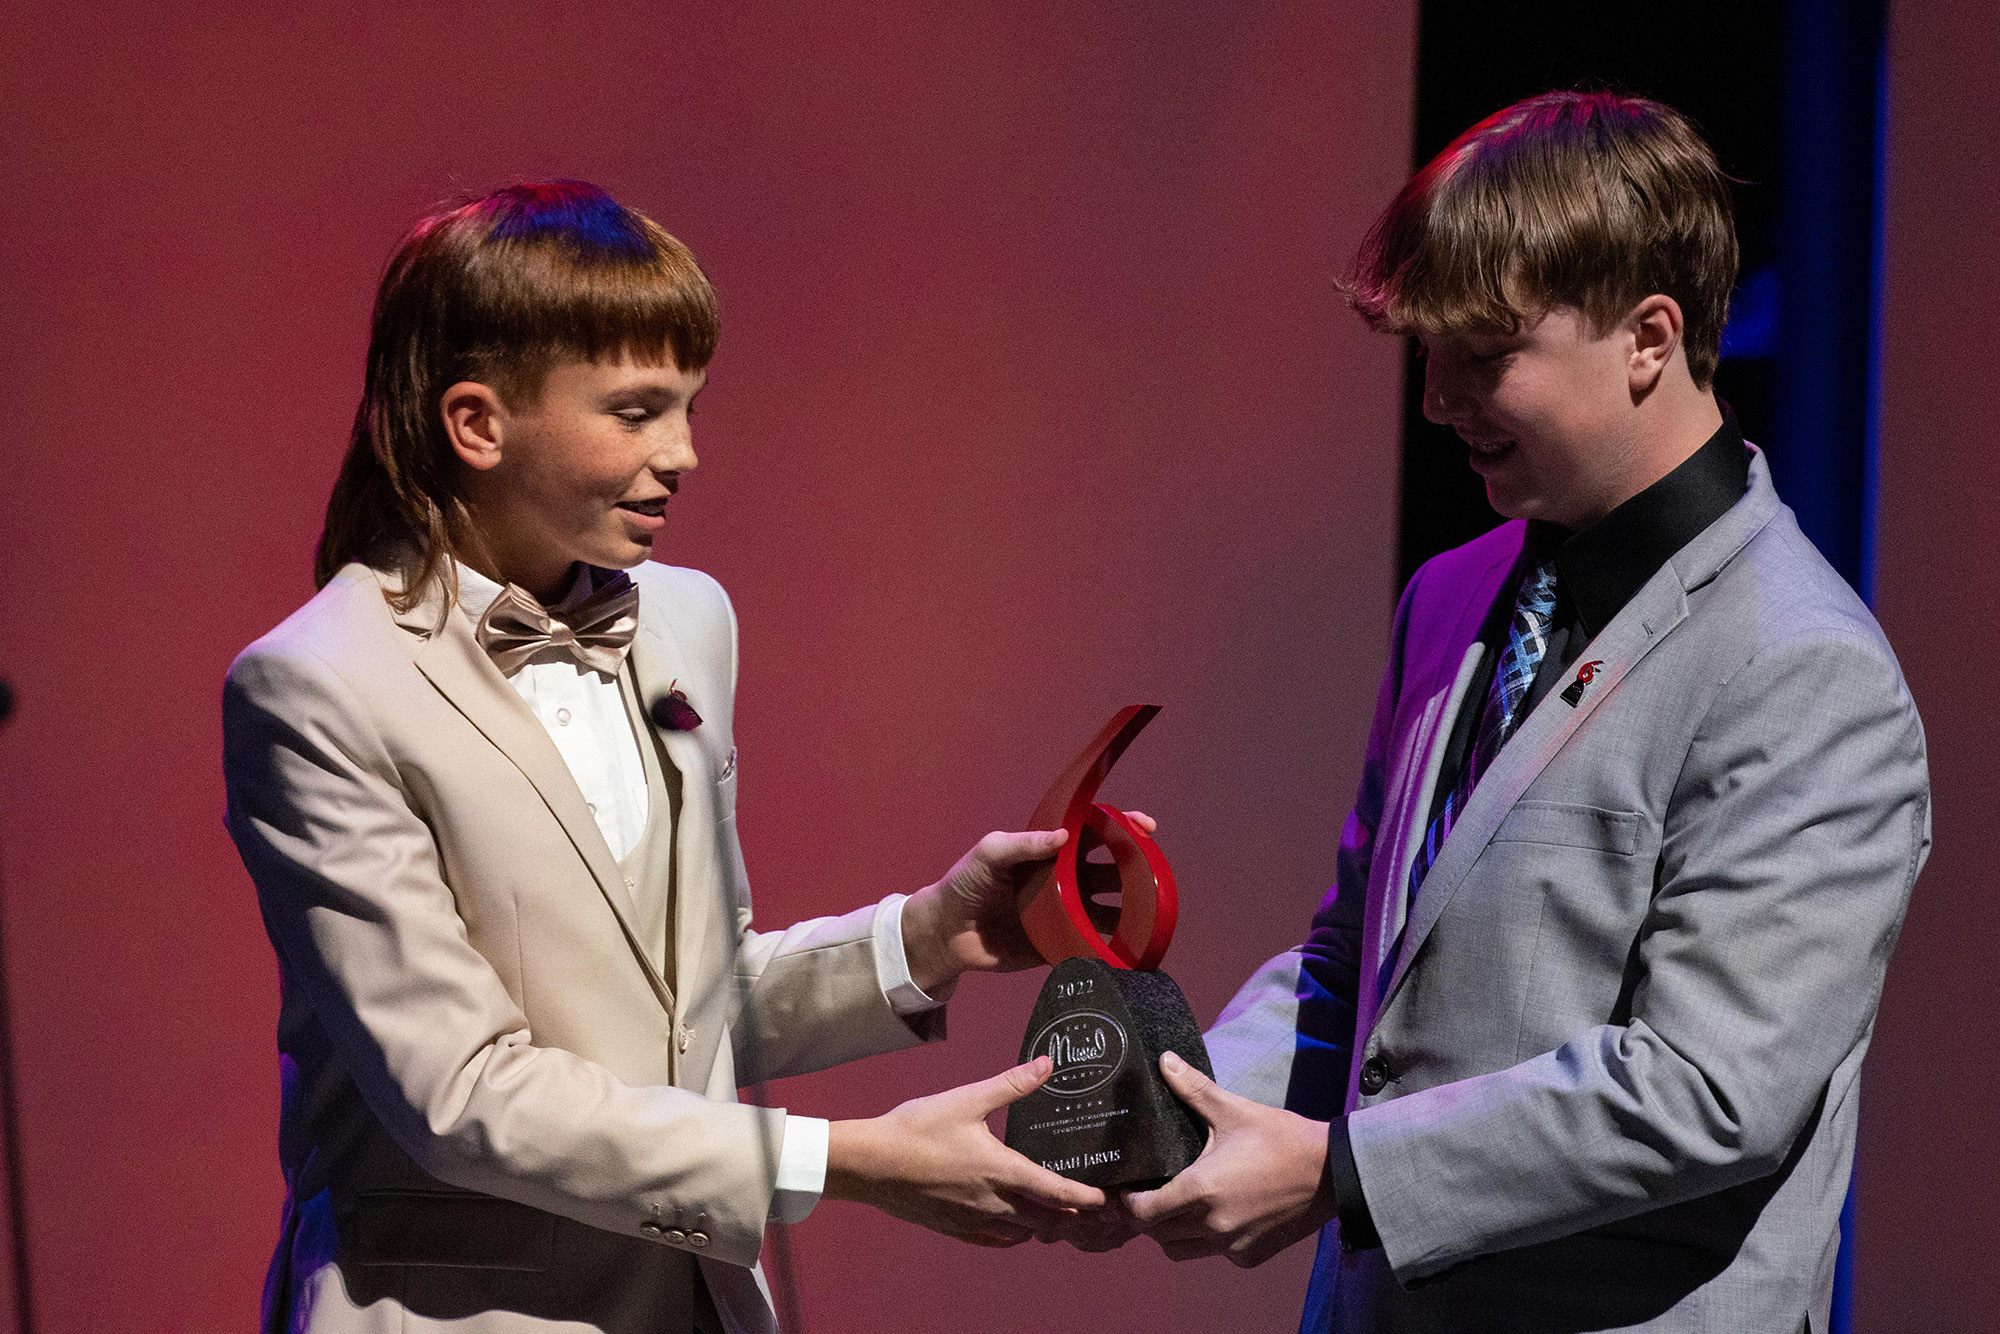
pixel 1087 1047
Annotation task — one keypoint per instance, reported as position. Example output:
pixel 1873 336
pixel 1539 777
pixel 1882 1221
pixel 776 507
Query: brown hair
pixel 498 290
pixel 1586 199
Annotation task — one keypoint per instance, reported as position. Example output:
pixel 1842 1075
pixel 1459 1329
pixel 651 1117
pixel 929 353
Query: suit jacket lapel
pixel 658 662
pixel 1442 670
pixel 1631 635
pixel 1646 620
pixel 450 656
pixel 1423 756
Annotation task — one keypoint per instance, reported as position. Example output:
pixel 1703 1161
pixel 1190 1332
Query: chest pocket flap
pixel 1569 826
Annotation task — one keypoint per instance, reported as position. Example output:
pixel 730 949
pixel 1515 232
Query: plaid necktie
pixel 1527 640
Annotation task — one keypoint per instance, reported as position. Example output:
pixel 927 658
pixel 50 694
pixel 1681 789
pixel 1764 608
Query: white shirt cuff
pixel 801 1169
pixel 892 966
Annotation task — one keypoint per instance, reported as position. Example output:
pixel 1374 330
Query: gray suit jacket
pixel 498 1114
pixel 1620 1035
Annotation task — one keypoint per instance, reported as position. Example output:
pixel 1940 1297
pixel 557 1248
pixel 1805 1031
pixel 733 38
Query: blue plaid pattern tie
pixel 1527 641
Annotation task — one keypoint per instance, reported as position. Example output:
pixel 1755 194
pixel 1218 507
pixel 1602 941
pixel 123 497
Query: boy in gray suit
pixel 1574 1042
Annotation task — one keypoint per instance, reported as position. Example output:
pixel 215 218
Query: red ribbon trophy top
pixel 1065 909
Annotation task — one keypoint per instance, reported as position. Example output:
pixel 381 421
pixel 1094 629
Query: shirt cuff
pixel 892 966
pixel 1357 1226
pixel 801 1169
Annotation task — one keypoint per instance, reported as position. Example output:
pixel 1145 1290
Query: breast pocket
pixel 1581 881
pixel 1562 825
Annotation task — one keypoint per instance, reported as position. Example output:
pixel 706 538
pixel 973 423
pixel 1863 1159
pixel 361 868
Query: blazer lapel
pixel 658 662
pixel 1648 618
pixel 1423 757
pixel 1420 746
pixel 1631 635
pixel 450 657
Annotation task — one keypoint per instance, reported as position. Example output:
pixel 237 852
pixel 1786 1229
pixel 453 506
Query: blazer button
pixel 676 1236
pixel 652 1228
pixel 1374 1074
pixel 697 1239
pixel 683 1037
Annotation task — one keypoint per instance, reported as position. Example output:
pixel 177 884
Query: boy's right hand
pixel 934 1162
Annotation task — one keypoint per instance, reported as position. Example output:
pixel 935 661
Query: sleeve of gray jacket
pixel 1795 831
pixel 1287 1037
pixel 1251 1043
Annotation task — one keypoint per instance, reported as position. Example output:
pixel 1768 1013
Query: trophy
pixel 1102 915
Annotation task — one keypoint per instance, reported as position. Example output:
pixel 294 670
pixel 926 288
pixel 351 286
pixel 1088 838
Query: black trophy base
pixel 1106 1117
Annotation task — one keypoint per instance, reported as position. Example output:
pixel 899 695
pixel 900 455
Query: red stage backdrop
pixel 1930 1162
pixel 1034 399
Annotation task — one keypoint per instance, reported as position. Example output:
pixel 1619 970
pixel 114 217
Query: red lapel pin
pixel 672 712
pixel 1573 693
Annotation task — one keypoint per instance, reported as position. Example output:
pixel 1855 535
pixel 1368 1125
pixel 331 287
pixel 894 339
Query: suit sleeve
pixel 365 927
pixel 811 997
pixel 1330 981
pixel 1287 1037
pixel 1793 836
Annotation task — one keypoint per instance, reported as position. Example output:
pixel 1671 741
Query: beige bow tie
pixel 595 632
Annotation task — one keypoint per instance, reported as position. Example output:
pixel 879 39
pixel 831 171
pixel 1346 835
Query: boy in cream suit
pixel 486 786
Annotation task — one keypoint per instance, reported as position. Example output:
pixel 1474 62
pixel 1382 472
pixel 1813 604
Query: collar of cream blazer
pixel 445 649
pixel 1652 614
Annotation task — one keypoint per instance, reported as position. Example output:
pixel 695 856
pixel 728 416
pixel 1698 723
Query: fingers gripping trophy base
pixel 1106 1117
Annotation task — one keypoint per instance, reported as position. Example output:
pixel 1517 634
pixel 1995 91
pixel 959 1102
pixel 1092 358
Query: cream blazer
pixel 497 1115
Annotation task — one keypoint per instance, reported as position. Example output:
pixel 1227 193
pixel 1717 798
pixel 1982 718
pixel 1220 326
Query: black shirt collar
pixel 1600 569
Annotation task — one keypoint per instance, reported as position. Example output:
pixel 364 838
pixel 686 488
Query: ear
pixel 1656 325
pixel 475 423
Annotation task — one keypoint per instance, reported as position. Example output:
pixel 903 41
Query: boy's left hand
pixel 968 920
pixel 1259 1185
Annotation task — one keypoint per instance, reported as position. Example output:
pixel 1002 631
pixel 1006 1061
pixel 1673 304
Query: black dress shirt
pixel 1598 571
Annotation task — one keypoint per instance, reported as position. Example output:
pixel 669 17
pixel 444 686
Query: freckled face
pixel 586 471
pixel 1544 411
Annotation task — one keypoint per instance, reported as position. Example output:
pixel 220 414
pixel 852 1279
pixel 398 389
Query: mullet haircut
pixel 499 290
pixel 1590 200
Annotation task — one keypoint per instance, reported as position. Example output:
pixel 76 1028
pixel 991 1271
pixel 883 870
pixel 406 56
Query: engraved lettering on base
pixel 1105 1116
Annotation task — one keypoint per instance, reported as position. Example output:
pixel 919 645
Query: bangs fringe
pixel 590 289
pixel 1590 200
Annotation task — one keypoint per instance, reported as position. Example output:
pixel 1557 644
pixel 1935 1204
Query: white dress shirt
pixel 585 716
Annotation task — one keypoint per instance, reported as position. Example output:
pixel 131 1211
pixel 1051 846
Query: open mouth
pixel 1489 450
pixel 652 509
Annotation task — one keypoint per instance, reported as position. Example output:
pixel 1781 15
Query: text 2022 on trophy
pixel 1105 1117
